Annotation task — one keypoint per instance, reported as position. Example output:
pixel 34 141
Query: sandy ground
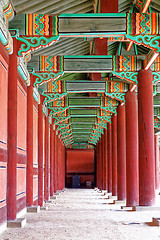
pixel 82 214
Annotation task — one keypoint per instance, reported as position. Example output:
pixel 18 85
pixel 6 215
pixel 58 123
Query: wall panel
pixel 80 162
pixel 35 152
pixel 21 144
pixel 3 135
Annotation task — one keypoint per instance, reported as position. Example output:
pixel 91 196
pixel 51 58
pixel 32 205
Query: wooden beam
pixel 87 64
pixel 87 24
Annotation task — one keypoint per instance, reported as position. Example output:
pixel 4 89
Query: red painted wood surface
pixel 35 151
pixel 51 159
pixel 21 143
pixel 80 162
pixel 99 165
pixel 146 138
pixel 109 6
pixel 121 153
pixel 156 146
pixel 3 134
pixel 46 164
pixel 105 161
pixel 102 162
pixel 109 154
pixel 29 172
pixel 114 154
pixel 12 134
pixel 132 189
pixel 40 154
pixel 21 118
pixel 55 160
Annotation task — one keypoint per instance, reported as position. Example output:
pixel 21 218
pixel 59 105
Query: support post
pixel 132 193
pixel 51 159
pixel 114 155
pixel 97 146
pixel 105 162
pixel 121 153
pixel 46 164
pixel 109 6
pixel 55 160
pixel 102 162
pixel 109 155
pixel 29 172
pixel 40 154
pixel 146 138
pixel 156 146
pixel 12 135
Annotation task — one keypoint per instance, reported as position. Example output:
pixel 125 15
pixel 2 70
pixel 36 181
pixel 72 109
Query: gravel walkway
pixel 85 214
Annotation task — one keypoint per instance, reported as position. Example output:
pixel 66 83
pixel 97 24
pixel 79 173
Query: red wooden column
pixel 114 155
pixel 55 159
pixel 146 138
pixel 29 172
pixel 102 162
pixel 109 155
pixel 51 159
pixel 156 146
pixel 12 134
pixel 105 162
pixel 96 155
pixel 40 154
pixel 98 165
pixel 62 166
pixel 54 147
pixel 132 193
pixel 109 6
pixel 46 163
pixel 121 153
pixel 58 163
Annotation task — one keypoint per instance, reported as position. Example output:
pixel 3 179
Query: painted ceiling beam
pixel 119 25
pixel 80 25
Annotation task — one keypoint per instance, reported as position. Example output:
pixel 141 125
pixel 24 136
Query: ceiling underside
pixel 82 105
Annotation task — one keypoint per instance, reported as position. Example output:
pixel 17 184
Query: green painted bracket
pixel 60 119
pixel 129 76
pixel 52 96
pixel 110 109
pixel 43 77
pixel 151 41
pixel 106 118
pixel 30 44
pixel 63 126
pixel 103 125
pixel 157 125
pixel 156 77
pixel 132 76
pixel 118 96
pixel 92 142
pixel 56 110
pixel 100 130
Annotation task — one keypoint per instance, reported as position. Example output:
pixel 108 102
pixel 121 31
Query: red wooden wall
pixel 35 152
pixel 3 131
pixel 21 143
pixel 82 163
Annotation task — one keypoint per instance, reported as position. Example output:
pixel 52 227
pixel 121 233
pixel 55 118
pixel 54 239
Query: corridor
pixel 83 214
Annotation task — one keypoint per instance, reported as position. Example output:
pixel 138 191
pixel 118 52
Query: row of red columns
pixel 126 153
pixel 51 151
pixel 54 159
